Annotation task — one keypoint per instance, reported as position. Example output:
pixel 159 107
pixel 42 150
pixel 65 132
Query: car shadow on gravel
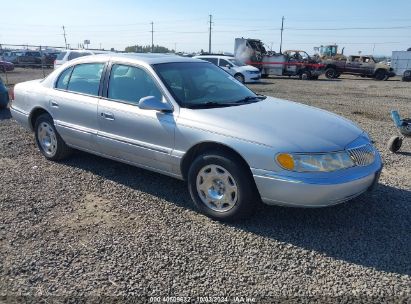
pixel 5 114
pixel 372 230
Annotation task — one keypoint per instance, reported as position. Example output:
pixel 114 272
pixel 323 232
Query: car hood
pixel 247 68
pixel 281 124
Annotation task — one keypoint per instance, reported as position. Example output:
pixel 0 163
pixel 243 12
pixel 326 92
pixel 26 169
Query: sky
pixel 370 26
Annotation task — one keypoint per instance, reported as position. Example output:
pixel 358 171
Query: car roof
pixel 214 56
pixel 148 58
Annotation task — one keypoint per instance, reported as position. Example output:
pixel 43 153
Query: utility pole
pixel 152 37
pixel 64 34
pixel 282 29
pixel 209 37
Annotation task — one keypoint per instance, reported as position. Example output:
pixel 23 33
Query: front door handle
pixel 109 116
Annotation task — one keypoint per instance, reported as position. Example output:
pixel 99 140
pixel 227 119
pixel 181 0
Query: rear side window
pixel 212 60
pixel 74 55
pixel 61 55
pixel 85 78
pixel 64 78
pixel 130 84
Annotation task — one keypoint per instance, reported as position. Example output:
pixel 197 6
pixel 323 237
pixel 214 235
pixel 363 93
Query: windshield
pixel 237 62
pixel 203 85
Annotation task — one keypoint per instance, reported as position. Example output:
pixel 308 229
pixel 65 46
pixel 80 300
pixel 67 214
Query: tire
pixel 394 144
pixel 49 142
pixel 331 73
pixel 381 75
pixel 407 76
pixel 305 75
pixel 210 177
pixel 239 77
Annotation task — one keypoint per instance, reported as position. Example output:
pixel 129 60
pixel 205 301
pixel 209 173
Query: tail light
pixel 11 93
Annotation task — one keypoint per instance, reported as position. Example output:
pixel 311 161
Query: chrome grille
pixel 363 155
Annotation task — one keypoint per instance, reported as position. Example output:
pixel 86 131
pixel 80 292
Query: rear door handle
pixel 54 104
pixel 109 116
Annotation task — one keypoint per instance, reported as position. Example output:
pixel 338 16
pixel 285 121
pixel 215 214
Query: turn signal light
pixel 286 161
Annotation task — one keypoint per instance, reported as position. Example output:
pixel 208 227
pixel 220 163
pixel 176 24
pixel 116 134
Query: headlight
pixel 315 162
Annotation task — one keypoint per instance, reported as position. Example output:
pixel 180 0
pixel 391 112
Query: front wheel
pixel 381 75
pixel 221 187
pixel 239 77
pixel 49 142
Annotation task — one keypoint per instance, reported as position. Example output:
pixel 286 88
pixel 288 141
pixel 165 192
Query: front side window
pixel 85 78
pixel 237 62
pixel 130 84
pixel 224 63
pixel 212 60
pixel 203 85
pixel 64 78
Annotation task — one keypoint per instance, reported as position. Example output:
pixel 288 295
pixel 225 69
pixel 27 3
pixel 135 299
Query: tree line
pixel 147 49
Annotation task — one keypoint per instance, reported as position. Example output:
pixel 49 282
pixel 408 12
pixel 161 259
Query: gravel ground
pixel 90 227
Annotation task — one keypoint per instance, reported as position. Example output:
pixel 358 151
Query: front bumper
pixel 315 191
pixel 252 78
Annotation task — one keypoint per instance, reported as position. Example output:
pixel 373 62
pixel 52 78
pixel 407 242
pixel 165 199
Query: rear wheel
pixel 305 75
pixel 331 73
pixel 221 187
pixel 49 142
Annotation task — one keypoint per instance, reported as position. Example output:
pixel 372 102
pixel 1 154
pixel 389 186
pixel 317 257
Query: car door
pixel 353 65
pixel 367 66
pixel 73 104
pixel 226 66
pixel 128 133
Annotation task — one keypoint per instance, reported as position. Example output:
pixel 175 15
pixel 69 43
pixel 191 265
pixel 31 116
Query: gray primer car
pixel 189 119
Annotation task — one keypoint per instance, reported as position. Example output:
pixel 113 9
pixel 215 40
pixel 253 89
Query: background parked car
pixel 49 58
pixel 28 59
pixel 11 56
pixel 239 70
pixel 6 66
pixel 68 55
pixel 4 95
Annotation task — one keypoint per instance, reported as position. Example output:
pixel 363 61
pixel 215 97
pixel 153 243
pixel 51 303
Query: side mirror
pixel 228 66
pixel 153 103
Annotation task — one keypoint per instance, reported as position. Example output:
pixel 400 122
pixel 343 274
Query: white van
pixel 239 70
pixel 68 55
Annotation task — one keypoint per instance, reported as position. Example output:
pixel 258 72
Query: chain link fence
pixel 32 61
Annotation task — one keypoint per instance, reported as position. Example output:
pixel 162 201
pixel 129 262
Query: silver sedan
pixel 191 120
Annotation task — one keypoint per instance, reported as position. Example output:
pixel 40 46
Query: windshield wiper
pixel 209 104
pixel 250 99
